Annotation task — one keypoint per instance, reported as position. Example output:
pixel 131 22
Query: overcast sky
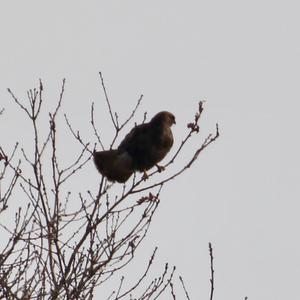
pixel 243 58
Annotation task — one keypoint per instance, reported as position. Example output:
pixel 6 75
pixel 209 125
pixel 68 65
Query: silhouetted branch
pixel 114 121
pixel 184 288
pixel 212 278
pixel 94 126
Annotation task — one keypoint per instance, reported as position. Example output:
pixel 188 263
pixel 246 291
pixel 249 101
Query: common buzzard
pixel 142 148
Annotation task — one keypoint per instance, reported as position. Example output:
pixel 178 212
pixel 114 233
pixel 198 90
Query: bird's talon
pixel 145 176
pixel 160 168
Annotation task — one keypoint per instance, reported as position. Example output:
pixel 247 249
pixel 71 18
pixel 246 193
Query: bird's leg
pixel 160 168
pixel 145 176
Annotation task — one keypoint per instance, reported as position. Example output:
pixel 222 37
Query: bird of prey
pixel 142 148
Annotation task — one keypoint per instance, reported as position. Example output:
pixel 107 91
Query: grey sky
pixel 243 58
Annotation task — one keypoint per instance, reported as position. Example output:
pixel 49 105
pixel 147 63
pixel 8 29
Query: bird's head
pixel 164 117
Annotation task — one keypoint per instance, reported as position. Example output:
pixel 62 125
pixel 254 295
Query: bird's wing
pixel 136 140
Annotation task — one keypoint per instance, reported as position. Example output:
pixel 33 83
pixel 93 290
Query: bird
pixel 141 149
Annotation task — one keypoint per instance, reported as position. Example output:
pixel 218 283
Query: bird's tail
pixel 114 165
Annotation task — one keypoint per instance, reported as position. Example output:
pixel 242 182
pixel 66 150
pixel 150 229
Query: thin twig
pixel 108 102
pixel 94 126
pixel 212 278
pixel 133 112
pixel 184 288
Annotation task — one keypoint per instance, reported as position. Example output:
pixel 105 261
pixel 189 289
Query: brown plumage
pixel 142 148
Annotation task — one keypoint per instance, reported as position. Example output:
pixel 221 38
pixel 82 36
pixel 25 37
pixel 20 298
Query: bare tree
pixel 55 250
